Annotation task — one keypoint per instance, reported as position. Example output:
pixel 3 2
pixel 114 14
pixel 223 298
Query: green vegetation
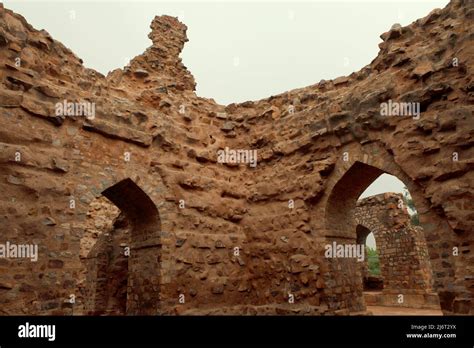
pixel 373 262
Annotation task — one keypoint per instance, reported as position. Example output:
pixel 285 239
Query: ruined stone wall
pixel 230 238
pixel 402 250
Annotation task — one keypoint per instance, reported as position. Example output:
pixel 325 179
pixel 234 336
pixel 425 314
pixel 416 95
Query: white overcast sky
pixel 237 50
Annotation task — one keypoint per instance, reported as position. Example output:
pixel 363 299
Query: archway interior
pixel 402 249
pixel 137 206
pixel 111 269
pixel 144 261
pixel 343 199
pixel 121 253
pixel 102 282
pixel 370 268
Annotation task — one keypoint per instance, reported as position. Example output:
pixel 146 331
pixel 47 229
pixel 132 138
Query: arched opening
pixel 343 199
pixel 122 253
pixel 370 268
pixel 143 289
pixel 405 272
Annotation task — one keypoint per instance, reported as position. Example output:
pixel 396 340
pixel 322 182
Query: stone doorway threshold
pixel 385 310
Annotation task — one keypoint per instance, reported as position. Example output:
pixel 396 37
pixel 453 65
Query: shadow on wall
pixel 123 267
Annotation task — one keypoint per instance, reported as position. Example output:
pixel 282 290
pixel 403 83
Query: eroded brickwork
pixel 229 237
pixel 403 253
pixel 401 247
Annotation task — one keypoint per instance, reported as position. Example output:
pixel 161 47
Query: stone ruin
pixel 402 251
pixel 116 178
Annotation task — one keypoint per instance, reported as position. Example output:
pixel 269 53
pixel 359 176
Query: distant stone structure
pixel 402 250
pixel 133 214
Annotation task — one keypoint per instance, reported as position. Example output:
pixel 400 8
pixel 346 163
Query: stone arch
pixel 401 246
pixel 364 226
pixel 143 289
pixel 362 232
pixel 343 198
pixel 350 178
